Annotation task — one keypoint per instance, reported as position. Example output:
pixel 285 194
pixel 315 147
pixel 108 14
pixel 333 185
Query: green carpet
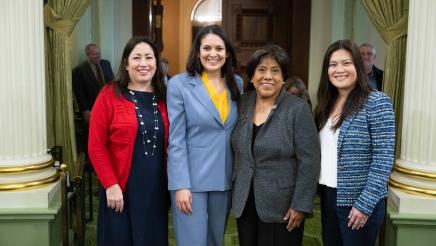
pixel 312 227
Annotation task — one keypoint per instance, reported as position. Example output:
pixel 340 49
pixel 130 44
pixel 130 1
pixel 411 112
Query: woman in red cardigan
pixel 128 136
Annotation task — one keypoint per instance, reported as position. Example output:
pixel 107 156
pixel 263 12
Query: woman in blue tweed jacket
pixel 357 136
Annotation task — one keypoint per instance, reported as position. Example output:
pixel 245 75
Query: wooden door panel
pixel 252 24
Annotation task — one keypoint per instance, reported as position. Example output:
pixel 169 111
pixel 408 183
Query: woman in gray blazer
pixel 277 156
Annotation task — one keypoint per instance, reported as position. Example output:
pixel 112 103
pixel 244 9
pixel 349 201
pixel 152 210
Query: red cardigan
pixel 112 133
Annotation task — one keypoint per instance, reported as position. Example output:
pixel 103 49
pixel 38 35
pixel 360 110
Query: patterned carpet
pixel 312 230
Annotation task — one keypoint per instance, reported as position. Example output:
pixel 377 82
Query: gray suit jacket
pixel 285 166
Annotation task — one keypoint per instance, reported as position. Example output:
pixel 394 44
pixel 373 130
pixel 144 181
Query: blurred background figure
pixel 89 77
pixel 296 86
pixel 375 75
pixel 165 66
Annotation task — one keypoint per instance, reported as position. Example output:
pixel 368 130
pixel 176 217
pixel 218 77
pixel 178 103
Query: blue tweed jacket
pixel 366 154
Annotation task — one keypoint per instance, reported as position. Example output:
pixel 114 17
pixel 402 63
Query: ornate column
pixel 27 176
pixel 411 217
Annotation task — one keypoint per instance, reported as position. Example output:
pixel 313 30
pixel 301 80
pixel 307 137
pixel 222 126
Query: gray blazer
pixel 284 168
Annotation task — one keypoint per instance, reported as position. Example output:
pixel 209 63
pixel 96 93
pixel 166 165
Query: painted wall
pixel 171 35
pixel 320 38
pixel 107 23
pixel 364 31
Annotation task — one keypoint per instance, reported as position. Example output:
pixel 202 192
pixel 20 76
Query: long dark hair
pixel 194 65
pixel 122 79
pixel 327 93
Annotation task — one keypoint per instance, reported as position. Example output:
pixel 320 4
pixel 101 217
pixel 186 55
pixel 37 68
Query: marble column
pixel 413 181
pixel 27 176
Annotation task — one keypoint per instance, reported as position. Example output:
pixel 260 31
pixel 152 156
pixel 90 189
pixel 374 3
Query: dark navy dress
pixel 144 220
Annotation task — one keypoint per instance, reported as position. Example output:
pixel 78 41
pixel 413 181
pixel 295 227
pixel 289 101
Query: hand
pixel 86 115
pixel 295 218
pixel 357 219
pixel 114 196
pixel 184 201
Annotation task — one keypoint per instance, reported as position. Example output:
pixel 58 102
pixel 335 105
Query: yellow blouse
pixel 219 100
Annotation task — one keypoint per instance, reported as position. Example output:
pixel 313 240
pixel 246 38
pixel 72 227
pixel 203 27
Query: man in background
pixel 375 75
pixel 88 79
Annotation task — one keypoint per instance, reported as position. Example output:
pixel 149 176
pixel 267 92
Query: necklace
pixel 145 137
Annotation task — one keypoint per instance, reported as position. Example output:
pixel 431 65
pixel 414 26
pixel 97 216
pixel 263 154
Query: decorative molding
pixel 30 184
pixel 414 173
pixel 412 189
pixel 26 168
pixel 248 22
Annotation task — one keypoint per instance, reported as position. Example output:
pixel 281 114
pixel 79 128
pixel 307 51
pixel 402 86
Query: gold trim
pixel 26 168
pixel 411 189
pixel 414 173
pixel 29 184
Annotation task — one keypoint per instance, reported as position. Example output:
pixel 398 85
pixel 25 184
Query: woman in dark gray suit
pixel 277 156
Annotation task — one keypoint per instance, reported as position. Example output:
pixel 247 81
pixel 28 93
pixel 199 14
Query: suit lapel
pixel 203 97
pixel 249 111
pixel 233 114
pixel 279 99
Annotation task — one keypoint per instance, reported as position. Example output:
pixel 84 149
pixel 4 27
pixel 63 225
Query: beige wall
pixel 320 38
pixel 171 33
pixel 177 32
pixel 107 23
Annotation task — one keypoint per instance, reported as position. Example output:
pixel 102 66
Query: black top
pixel 256 129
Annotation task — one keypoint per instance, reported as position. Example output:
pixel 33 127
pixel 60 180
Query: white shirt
pixel 329 155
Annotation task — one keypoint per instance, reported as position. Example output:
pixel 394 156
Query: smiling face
pixel 268 78
pixel 141 64
pixel 341 71
pixel 213 53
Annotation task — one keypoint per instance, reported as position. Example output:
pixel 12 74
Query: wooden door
pixel 252 24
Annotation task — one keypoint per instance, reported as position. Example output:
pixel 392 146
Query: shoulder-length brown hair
pixel 122 78
pixel 327 93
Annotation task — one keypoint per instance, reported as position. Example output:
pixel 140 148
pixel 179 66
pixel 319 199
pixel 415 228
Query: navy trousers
pixel 334 220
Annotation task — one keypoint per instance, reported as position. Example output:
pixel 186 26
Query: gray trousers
pixel 207 223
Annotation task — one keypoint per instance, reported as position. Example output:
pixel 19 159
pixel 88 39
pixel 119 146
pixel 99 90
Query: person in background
pixel 88 79
pixel 374 74
pixel 357 134
pixel 296 86
pixel 165 67
pixel 276 156
pixel 127 145
pixel 202 109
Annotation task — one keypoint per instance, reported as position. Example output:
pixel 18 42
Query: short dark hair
pixel 194 66
pixel 122 79
pixel 271 51
pixel 327 93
